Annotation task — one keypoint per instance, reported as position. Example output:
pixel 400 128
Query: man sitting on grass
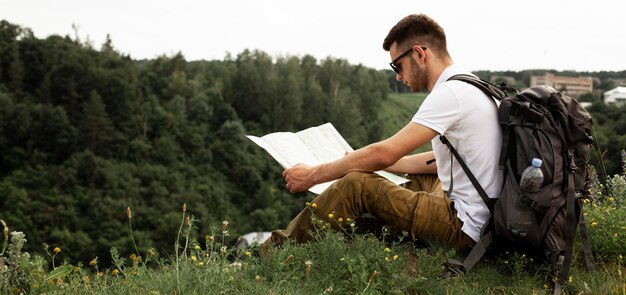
pixel 440 201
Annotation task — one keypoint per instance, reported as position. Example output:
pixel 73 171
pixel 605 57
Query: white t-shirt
pixel 469 120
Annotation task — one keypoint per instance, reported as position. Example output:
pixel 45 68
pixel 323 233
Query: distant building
pixel 615 96
pixel 572 86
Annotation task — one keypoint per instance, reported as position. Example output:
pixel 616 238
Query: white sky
pixel 482 34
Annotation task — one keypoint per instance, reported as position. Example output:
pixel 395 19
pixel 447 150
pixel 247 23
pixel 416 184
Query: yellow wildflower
pixel 339 219
pixel 348 219
pixel 395 257
pixel 56 250
pixel 313 205
pixel 330 215
pixel 594 223
pixel 248 253
pixel 115 272
pixel 193 258
pixel 133 256
pixel 93 262
pixel 387 259
pixel 387 250
pixel 570 279
pixel 200 263
pixel 197 247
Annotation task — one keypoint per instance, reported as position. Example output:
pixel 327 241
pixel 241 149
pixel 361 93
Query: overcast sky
pixel 482 34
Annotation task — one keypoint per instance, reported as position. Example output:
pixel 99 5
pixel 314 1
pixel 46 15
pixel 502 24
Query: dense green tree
pixel 16 71
pixel 96 128
pixel 10 35
pixel 286 104
pixel 252 87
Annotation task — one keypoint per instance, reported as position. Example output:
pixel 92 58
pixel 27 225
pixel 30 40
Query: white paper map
pixel 312 146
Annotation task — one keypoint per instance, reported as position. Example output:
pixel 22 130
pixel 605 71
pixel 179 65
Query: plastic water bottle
pixel 532 177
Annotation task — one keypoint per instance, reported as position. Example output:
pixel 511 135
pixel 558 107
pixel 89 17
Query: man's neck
pixel 438 67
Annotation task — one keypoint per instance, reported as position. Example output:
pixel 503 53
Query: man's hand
pixel 299 178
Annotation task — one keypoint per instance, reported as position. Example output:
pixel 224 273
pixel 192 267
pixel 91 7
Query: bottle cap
pixel 537 162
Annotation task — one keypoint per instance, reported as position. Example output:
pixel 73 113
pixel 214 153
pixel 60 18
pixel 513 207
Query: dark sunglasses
pixel 394 66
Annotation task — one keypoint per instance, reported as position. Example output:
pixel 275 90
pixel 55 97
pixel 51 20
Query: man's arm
pixel 376 156
pixel 415 164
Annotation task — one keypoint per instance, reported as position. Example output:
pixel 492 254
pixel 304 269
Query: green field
pixel 398 110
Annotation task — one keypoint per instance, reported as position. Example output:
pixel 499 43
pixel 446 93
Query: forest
pixel 86 132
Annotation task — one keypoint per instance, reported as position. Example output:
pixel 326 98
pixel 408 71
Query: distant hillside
pixel 398 110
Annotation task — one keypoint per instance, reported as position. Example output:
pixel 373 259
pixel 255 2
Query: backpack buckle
pixel 572 163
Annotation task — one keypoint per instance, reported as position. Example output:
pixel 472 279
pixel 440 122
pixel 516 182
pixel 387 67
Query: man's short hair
pixel 418 29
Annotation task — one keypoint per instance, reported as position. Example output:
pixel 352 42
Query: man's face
pixel 408 69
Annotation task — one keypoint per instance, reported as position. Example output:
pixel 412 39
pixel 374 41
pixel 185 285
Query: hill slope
pixel 398 110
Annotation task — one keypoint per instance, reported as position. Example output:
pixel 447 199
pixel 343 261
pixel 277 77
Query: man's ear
pixel 419 54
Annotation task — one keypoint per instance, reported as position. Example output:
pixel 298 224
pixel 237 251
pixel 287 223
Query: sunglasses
pixel 394 66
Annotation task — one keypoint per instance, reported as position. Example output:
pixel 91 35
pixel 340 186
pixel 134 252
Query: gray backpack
pixel 538 122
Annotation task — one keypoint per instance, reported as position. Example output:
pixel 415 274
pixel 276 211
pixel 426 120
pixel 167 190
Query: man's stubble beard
pixel 418 77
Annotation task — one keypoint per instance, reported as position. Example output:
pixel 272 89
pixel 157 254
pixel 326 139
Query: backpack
pixel 538 122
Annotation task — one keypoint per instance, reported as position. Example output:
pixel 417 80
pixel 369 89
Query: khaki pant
pixel 421 208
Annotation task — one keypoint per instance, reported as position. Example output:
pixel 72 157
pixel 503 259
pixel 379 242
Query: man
pixel 440 201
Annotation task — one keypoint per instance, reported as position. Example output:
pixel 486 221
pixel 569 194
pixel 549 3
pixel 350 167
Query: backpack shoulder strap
pixel 469 173
pixel 584 238
pixel 492 90
pixel 454 267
